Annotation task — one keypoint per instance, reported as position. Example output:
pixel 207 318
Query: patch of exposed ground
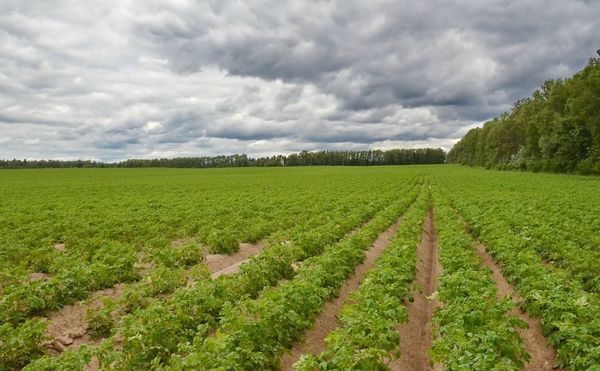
pixel 38 276
pixel 327 320
pixel 94 365
pixel 220 264
pixel 68 327
pixel 60 246
pixel 416 335
pixel 543 357
pixel 143 266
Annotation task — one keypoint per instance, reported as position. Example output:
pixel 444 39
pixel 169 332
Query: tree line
pixel 555 130
pixel 304 158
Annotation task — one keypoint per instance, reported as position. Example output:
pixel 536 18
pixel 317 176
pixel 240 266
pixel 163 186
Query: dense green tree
pixel 557 129
pixel 304 158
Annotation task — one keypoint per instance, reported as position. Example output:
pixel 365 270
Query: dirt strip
pixel 543 357
pixel 327 321
pixel 68 327
pixel 228 264
pixel 415 335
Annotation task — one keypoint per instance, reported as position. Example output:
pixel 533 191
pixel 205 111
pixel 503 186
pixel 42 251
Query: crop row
pixel 558 222
pixel 472 329
pixel 304 240
pixel 111 263
pixel 148 210
pixel 142 333
pixel 367 333
pixel 570 315
pixel 155 328
pixel 254 333
pixel 96 264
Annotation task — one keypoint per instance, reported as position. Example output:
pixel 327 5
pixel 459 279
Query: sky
pixel 112 80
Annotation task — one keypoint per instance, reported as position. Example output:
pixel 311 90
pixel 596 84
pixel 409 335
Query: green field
pixel 67 236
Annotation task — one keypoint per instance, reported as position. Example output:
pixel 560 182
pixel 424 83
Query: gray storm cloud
pixel 113 80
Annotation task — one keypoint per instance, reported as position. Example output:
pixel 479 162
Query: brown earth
pixel 327 320
pixel 228 264
pixel 60 246
pixel 543 357
pixel 416 335
pixel 68 327
pixel 38 276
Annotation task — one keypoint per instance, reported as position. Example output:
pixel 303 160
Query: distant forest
pixel 304 158
pixel 556 130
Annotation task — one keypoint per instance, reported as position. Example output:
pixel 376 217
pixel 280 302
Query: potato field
pixel 310 268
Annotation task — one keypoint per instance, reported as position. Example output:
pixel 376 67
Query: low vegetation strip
pixel 367 331
pixel 472 329
pixel 543 357
pixel 140 337
pixel 265 271
pixel 146 231
pixel 327 320
pixel 555 216
pixel 570 315
pixel 254 333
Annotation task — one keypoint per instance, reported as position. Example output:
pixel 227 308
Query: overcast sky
pixel 111 80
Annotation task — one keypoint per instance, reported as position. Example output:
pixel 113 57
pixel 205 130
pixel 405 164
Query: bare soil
pixel 38 276
pixel 94 365
pixel 416 334
pixel 327 320
pixel 220 264
pixel 543 357
pixel 60 246
pixel 68 327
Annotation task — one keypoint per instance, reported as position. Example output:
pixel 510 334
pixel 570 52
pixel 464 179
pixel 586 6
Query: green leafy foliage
pixel 150 230
pixel 70 360
pixel 367 334
pixel 255 332
pixel 557 130
pixel 21 344
pixel 473 328
pixel 570 313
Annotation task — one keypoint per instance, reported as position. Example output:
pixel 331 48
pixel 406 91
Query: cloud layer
pixel 112 80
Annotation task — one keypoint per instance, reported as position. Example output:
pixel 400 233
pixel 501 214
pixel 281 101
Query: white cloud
pixel 112 80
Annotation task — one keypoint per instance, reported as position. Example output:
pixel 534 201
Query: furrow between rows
pixel 327 320
pixel 217 275
pixel 543 357
pixel 415 334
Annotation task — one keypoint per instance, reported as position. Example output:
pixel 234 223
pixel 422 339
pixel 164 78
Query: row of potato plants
pixel 255 332
pixel 570 316
pixel 72 219
pixel 137 206
pixel 557 215
pixel 153 329
pixel 553 245
pixel 367 334
pixel 111 263
pixel 472 329
pixel 208 297
pixel 27 338
pixel 98 264
pixel 219 209
pixel 21 300
pixel 305 235
pixel 265 270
